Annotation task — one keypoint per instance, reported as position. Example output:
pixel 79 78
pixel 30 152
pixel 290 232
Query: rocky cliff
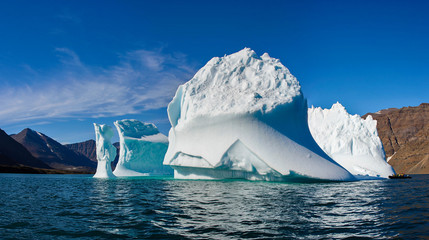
pixel 405 136
pixel 86 148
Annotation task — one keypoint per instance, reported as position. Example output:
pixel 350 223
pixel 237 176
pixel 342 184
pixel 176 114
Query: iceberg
pixel 142 149
pixel 244 116
pixel 105 151
pixel 351 141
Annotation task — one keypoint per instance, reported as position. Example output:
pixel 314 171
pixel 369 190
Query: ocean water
pixel 78 206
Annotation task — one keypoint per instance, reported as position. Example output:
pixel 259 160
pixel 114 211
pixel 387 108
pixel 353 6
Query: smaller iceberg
pixel 142 149
pixel 351 141
pixel 106 152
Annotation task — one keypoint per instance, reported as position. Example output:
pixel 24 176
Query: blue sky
pixel 67 64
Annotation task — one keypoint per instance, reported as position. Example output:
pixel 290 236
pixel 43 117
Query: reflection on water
pixel 239 209
pixel 64 206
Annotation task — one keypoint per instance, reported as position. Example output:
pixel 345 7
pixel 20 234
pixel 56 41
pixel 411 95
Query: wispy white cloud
pixel 68 57
pixel 143 80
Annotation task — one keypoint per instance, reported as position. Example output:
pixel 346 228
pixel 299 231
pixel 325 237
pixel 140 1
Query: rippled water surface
pixel 76 206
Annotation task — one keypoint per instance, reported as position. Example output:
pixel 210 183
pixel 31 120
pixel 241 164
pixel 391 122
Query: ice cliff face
pixel 350 140
pixel 244 116
pixel 142 149
pixel 106 152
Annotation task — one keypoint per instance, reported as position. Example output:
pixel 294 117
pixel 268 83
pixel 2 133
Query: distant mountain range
pixel 404 133
pixel 33 152
pixel 51 152
pixel 14 154
pixel 87 149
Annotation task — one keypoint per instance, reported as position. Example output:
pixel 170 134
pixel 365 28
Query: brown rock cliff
pixel 405 136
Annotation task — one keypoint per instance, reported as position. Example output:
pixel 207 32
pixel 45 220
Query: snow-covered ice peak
pixel 135 128
pixel 335 130
pixel 234 84
pixel 131 128
pixel 338 107
pixel 105 151
pixel 244 116
pixel 350 140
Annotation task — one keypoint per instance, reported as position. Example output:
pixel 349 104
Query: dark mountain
pixel 53 153
pixel 13 153
pixel 405 136
pixel 86 148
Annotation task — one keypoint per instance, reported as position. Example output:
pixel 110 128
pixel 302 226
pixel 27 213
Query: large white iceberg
pixel 105 151
pixel 351 141
pixel 244 116
pixel 142 149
